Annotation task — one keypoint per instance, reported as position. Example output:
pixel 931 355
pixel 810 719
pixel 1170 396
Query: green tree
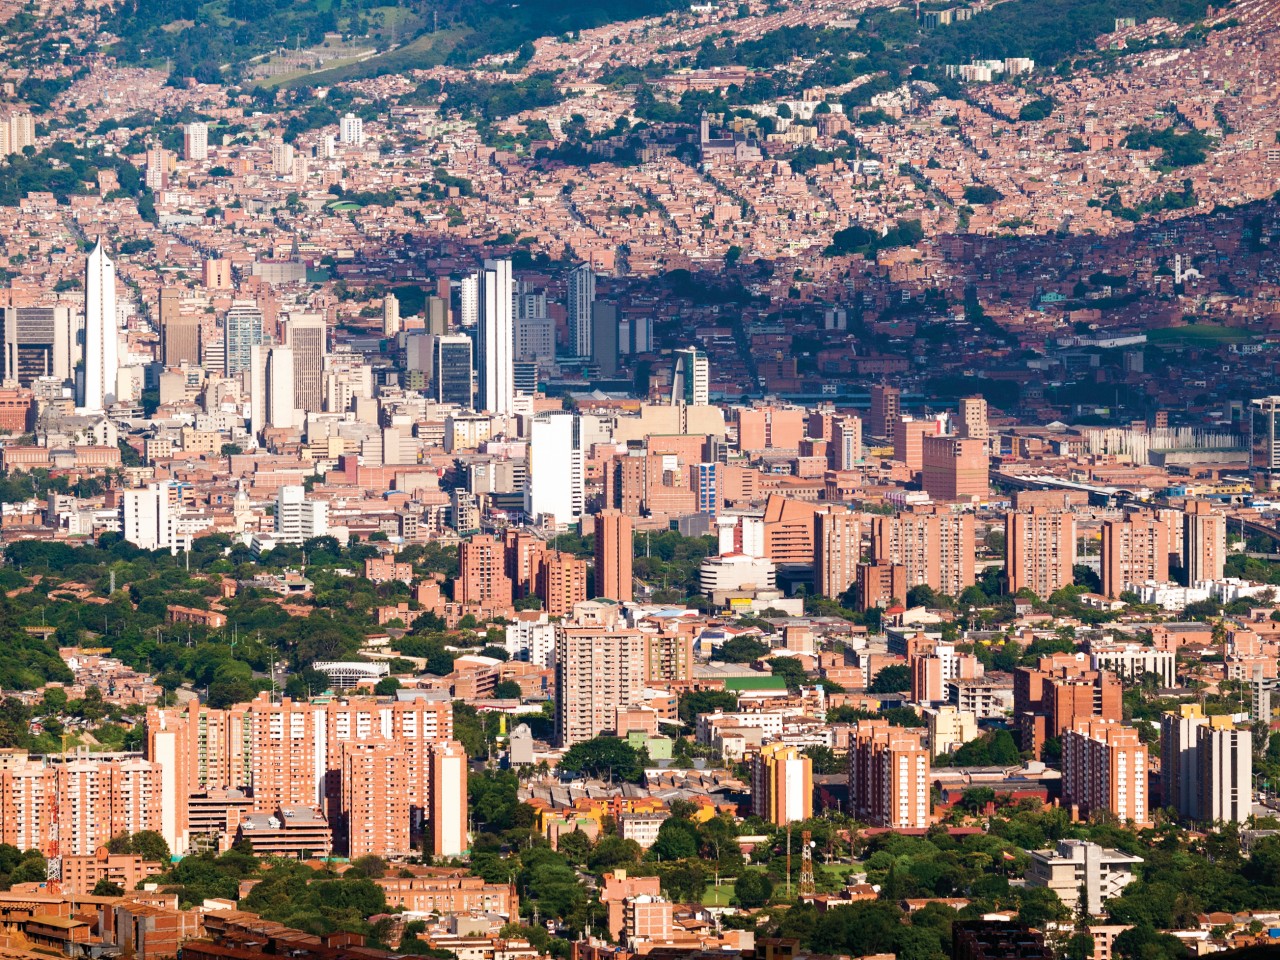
pixel 753 888
pixel 606 758
pixel 894 678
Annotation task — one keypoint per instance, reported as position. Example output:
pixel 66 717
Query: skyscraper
pixel 195 141
pixel 305 334
pixel 886 410
pixel 1104 767
pixel 1040 550
pixel 497 338
pixel 451 370
pixel 598 671
pixel 555 487
pixel 582 294
pixel 179 335
pixel 691 379
pixel 837 549
pixel 390 315
pixel 973 418
pixel 1134 549
pixel 482 573
pixel 889 775
pixel 562 582
pixel 242 331
pixel 469 300
pixel 1204 540
pixel 935 546
pixel 36 342
pixel 351 130
pixel 101 332
pixel 781 784
pixel 614 549
pixel 604 337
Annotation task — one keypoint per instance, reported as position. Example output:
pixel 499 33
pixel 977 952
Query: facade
pixel 1134 550
pixel 837 543
pixel 36 342
pixel 101 332
pixel 691 379
pixel 614 548
pixel 1076 866
pixel 1206 766
pixel 149 517
pixel 1204 542
pixel 562 583
pixel 351 130
pixel 886 411
pixel 451 370
pixel 390 315
pixel 496 320
pixel 555 488
pixel 195 142
pixel 582 294
pixel 1264 442
pixel 935 547
pixel 1104 767
pixel 482 576
pixel 880 583
pixel 298 518
pixel 973 418
pixel 954 468
pixel 1040 550
pixel 598 672
pixel 889 775
pixel 782 784
pixel 242 331
pixel 306 335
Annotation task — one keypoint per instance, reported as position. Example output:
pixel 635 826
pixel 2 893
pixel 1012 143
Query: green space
pixel 1197 333
pixel 718 896
pixel 343 206
pixel 426 50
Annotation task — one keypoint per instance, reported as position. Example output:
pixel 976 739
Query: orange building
pixel 1104 767
pixel 789 527
pixel 482 576
pixel 523 553
pixel 889 775
pixel 598 671
pixel 771 428
pixel 562 582
pixel 1204 540
pixel 934 545
pixel 375 814
pixel 954 468
pixel 1040 550
pixel 908 442
pixel 886 411
pixel 781 784
pixel 837 550
pixel 614 549
pixel 1134 550
pixel 1059 692
pixel 880 583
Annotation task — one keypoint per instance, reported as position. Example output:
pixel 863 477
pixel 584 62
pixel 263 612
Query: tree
pixel 1144 942
pixel 677 840
pixel 386 687
pixel 705 701
pixel 753 888
pixel 891 679
pixel 149 845
pixel 105 888
pixel 507 690
pixel 604 757
pixel 740 650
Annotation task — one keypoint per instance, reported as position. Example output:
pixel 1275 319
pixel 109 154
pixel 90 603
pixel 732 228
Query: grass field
pixel 428 50
pixel 1202 333
pixel 718 896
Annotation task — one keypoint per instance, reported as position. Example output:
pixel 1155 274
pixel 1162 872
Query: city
pixel 777 480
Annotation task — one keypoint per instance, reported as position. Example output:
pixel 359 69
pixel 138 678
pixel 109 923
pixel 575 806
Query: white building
pixel 1130 661
pixel 949 728
pixel 1102 873
pixel 555 487
pixel 390 315
pixel 497 338
pixel 469 300
pixel 582 294
pixel 297 518
pixel 101 332
pixel 149 518
pixel 195 141
pixel 532 640
pixel 734 572
pixel 351 130
pixel 691 380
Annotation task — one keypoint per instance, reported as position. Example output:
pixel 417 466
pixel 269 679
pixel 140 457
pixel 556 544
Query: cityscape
pixel 778 480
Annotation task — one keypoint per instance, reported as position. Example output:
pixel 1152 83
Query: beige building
pixel 598 670
pixel 949 727
pixel 1078 865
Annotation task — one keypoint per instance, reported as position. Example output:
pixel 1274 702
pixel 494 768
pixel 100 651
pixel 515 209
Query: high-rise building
pixel 954 468
pixel 1204 541
pixel 242 331
pixel 973 418
pixel 1104 768
pixel 1060 691
pixel 1135 549
pixel 555 488
pixel 1040 550
pixel 604 337
pixel 451 370
pixel 1264 442
pixel 195 142
pixel 691 380
pixel 598 672
pixel 179 335
pixel 447 814
pixel 281 405
pixel 390 315
pixel 17 132
pixel 614 549
pixel 582 294
pixel 482 576
pixel 299 518
pixel 561 583
pixel 881 583
pixel 889 775
pixel 707 487
pixel 936 547
pixel 217 274
pixel 351 130
pixel 886 411
pixel 306 335
pixel 1206 765
pixel 524 553
pixel 781 784
pixel 375 808
pixel 36 342
pixel 837 550
pixel 469 300
pixel 845 449
pixel 101 332
pixel 149 517
pixel 497 338
pixel 908 442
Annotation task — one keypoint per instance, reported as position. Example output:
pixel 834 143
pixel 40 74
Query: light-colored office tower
pixel 598 672
pixel 306 335
pixel 582 294
pixel 390 315
pixel 535 339
pixel 216 274
pixel 281 405
pixel 561 583
pixel 691 379
pixel 242 331
pixel 955 468
pixel 482 573
pixel 973 418
pixel 1104 768
pixel 781 784
pixel 469 300
pixel 298 518
pixel 1134 549
pixel 846 443
pixel 1180 759
pixel 101 332
pixel 936 548
pixel 889 775
pixel 1204 540
pixel 1040 550
pixel 886 411
pixel 555 488
pixel 36 342
pixel 614 550
pixel 346 377
pixel 149 517
pixel 837 550
pixel 1225 759
pixel 451 370
pixel 195 141
pixel 1078 866
pixel 282 158
pixel 447 812
pixel 351 130
pixel 1264 442
pixel 497 339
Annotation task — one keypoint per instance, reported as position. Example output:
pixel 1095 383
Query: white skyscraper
pixel 297 518
pixel 149 518
pixel 555 484
pixel 195 141
pixel 101 332
pixel 691 381
pixel 351 130
pixel 582 293
pixel 470 297
pixel 497 339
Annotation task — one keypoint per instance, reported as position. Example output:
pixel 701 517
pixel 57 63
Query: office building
pixel 306 335
pixel 390 315
pixel 273 397
pixel 1040 550
pixel 561 583
pixel 614 550
pixel 451 370
pixel 36 342
pixel 1206 766
pixel 949 728
pixel 179 335
pixel 195 142
pixel 599 671
pixel 604 337
pixel 101 332
pixel 149 517
pixel 555 488
pixel 886 411
pixel 242 331
pixel 351 130
pixel 1078 866
pixel 1264 442
pixel 837 550
pixel 781 784
pixel 469 300
pixel 581 296
pixel 497 338
pixel 707 487
pixel 973 419
pixel 1135 549
pixel 954 468
pixel 482 576
pixel 889 776
pixel 935 546
pixel 1104 768
pixel 691 379
pixel 908 442
pixel 1204 542
pixel 299 518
